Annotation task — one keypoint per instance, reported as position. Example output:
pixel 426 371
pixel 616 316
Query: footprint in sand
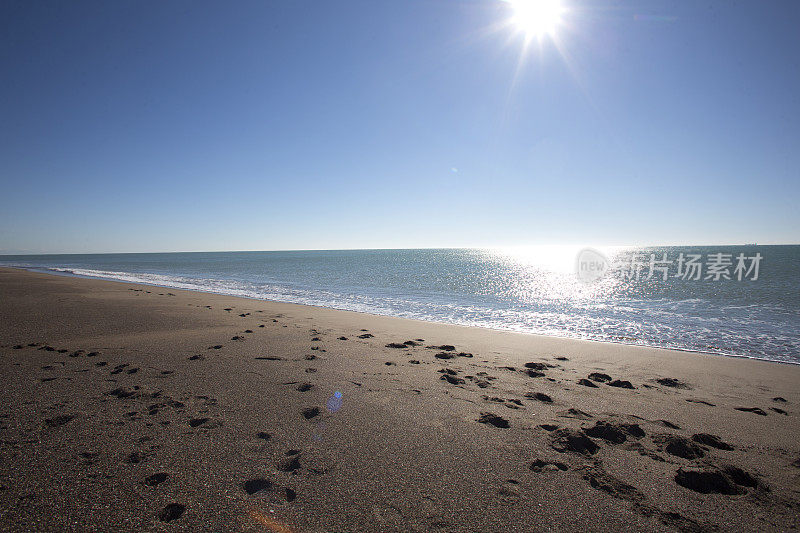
pixel 443 347
pixel 256 486
pixel 621 383
pixel 711 440
pixel 119 368
pixel 196 422
pixel 569 440
pixel 575 413
pixel 511 403
pixel 493 420
pixel 171 512
pixel 510 489
pixel 539 396
pixel 755 410
pixel 729 480
pixel 59 420
pixel 680 446
pixel 673 382
pixel 290 464
pixel 538 366
pixel 450 377
pixel 88 458
pixel 135 458
pixel 614 433
pixel 310 412
pixel 121 393
pixel 452 355
pixel 540 466
pixel 156 479
pixel 601 480
pixel 703 402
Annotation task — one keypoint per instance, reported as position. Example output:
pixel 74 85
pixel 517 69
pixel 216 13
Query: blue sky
pixel 170 126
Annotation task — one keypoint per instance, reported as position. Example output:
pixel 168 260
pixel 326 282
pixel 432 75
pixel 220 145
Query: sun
pixel 537 18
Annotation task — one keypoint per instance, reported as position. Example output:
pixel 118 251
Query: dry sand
pixel 129 408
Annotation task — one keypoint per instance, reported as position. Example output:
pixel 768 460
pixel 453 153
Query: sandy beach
pixel 130 408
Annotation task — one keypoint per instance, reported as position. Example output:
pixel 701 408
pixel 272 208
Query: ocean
pixel 728 300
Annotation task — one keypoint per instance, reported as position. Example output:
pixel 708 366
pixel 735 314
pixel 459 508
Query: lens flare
pixel 334 402
pixel 270 523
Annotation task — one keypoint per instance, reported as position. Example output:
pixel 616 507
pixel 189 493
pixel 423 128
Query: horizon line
pixel 4 253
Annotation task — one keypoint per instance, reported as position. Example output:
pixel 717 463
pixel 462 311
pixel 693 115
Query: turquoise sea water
pixel 534 290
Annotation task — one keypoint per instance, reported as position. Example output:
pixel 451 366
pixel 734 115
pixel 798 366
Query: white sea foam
pixel 621 326
pixel 473 288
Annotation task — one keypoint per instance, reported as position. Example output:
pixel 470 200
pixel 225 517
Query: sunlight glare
pixel 537 17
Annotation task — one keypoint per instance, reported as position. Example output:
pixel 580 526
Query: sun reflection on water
pixel 545 274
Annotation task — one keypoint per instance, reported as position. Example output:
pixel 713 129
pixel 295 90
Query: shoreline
pixel 70 274
pixel 130 408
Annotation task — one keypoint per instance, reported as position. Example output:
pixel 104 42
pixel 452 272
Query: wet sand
pixel 131 407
